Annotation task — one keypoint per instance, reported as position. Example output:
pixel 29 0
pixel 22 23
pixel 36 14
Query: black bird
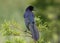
pixel 30 23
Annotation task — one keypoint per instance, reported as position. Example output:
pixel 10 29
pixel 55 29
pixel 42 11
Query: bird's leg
pixel 28 32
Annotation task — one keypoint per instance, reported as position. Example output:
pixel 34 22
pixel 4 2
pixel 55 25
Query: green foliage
pixel 8 41
pixel 47 30
pixel 19 40
pixel 13 33
pixel 10 28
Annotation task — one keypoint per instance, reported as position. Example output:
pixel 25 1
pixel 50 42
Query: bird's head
pixel 31 8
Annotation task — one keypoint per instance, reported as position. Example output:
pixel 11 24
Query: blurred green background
pixel 47 18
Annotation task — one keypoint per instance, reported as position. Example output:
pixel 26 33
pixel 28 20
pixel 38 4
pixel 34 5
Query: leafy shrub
pixel 10 28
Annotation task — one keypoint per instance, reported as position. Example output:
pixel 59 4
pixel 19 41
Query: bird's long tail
pixel 34 32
